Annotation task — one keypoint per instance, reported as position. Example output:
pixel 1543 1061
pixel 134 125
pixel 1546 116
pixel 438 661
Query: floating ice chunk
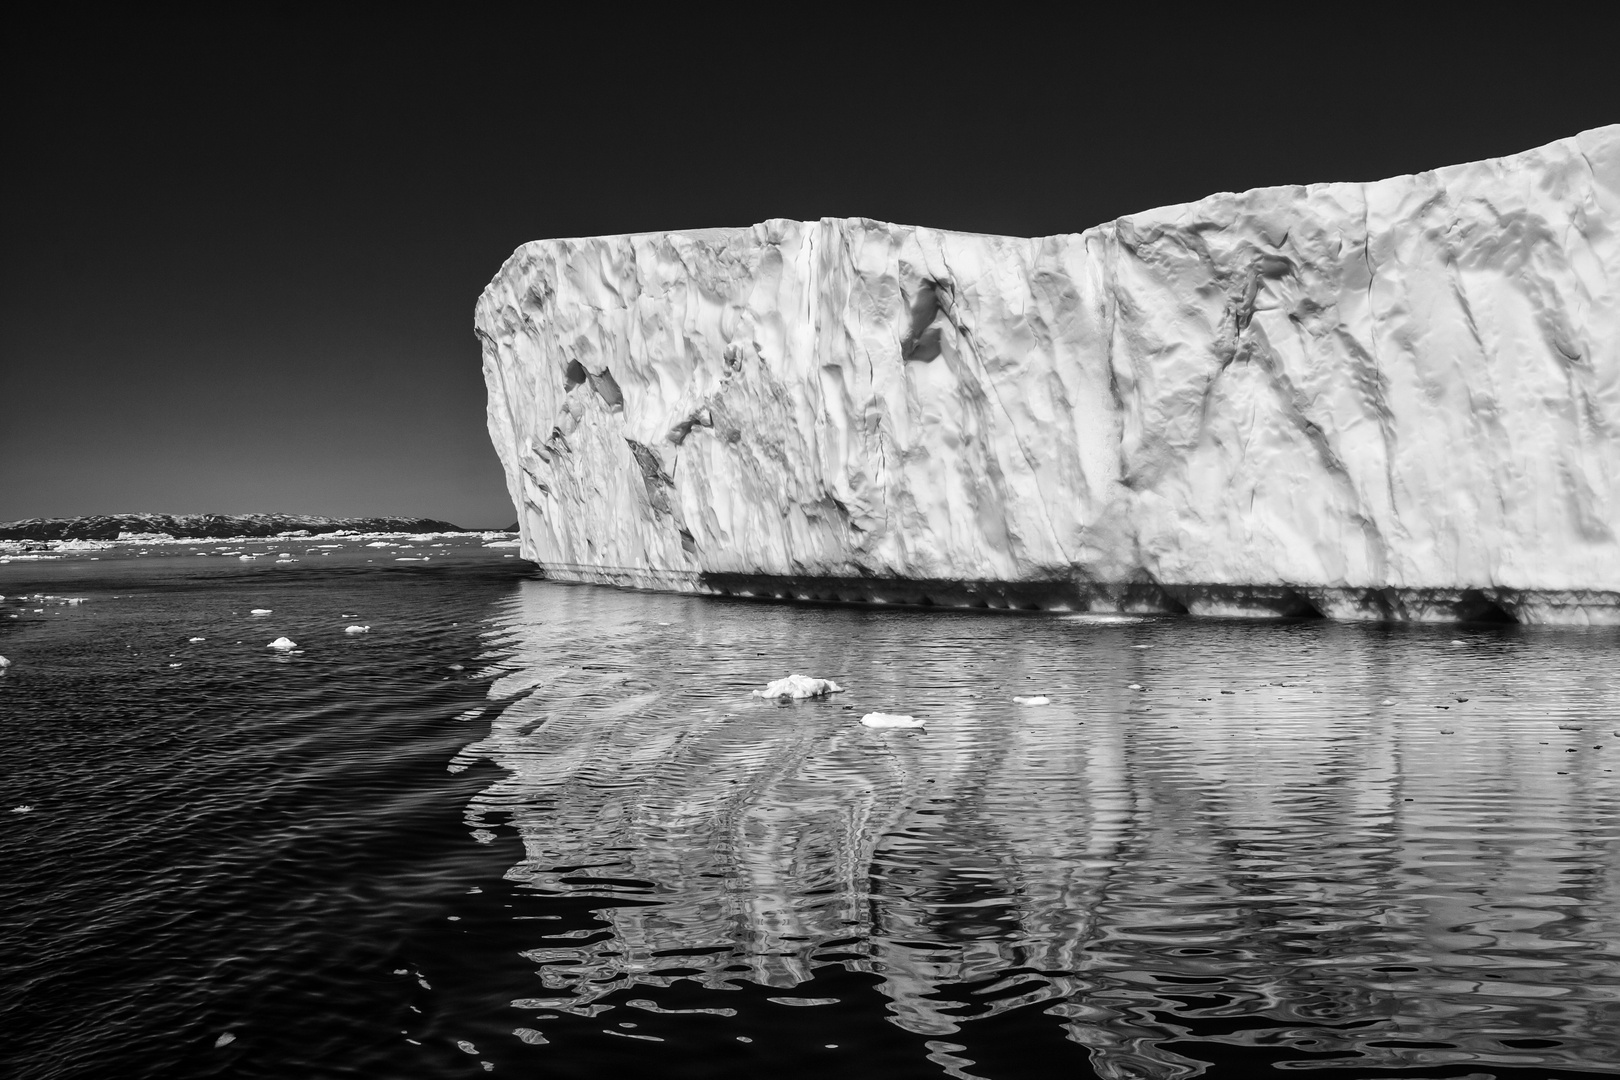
pixel 883 719
pixel 22 809
pixel 283 643
pixel 357 629
pixel 174 665
pixel 4 663
pixel 1034 700
pixel 1133 686
pixel 260 611
pixel 1387 701
pixel 799 686
pixel 245 558
pixel 379 544
pixel 196 639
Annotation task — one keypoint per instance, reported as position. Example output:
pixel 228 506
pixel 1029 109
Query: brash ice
pixel 1397 399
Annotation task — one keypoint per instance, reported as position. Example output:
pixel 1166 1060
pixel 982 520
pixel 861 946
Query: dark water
pixel 544 830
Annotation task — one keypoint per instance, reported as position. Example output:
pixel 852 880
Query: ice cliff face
pixel 1389 400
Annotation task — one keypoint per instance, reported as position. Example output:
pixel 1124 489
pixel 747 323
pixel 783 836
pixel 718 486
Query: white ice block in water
pixel 888 720
pixel 1036 699
pixel 799 686
pixel 357 629
pixel 283 643
pixel 1365 400
pixel 260 611
pixel 4 663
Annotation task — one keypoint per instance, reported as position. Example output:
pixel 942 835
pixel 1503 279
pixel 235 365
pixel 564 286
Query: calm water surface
pixel 544 830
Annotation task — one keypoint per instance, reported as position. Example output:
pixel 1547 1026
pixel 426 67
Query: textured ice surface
pixel 1397 399
pixel 799 686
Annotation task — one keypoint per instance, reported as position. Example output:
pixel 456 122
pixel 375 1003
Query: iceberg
pixel 798 686
pixel 891 720
pixel 1387 400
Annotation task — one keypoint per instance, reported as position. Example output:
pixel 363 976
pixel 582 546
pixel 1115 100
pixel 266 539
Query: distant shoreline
pixel 213 526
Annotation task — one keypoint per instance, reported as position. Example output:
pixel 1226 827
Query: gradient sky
pixel 240 256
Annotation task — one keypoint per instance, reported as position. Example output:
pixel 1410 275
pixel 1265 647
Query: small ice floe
pixel 174 665
pixel 357 629
pixel 1037 699
pixel 283 643
pixel 22 809
pixel 196 639
pixel 1458 641
pixel 1387 701
pixel 410 558
pixel 798 686
pixel 224 1040
pixel 4 663
pixel 883 719
pixel 1133 686
pixel 260 611
pixel 246 558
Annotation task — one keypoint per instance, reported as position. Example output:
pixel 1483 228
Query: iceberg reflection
pixel 1250 850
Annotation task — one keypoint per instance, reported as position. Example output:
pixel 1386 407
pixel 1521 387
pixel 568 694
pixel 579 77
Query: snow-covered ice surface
pixel 882 719
pixel 799 686
pixel 1397 399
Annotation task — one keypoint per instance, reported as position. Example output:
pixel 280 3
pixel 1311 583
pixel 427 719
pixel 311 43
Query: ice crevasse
pixel 1388 400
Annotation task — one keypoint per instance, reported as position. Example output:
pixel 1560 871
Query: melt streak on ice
pixel 1397 399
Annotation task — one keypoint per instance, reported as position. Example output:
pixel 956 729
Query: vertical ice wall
pixel 1395 399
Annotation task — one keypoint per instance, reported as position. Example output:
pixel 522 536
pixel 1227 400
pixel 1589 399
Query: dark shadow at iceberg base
pixel 1486 605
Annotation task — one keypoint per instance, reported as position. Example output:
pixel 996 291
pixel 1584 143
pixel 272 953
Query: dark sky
pixel 241 256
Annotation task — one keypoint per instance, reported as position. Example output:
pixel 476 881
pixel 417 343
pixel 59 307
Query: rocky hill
pixel 110 526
